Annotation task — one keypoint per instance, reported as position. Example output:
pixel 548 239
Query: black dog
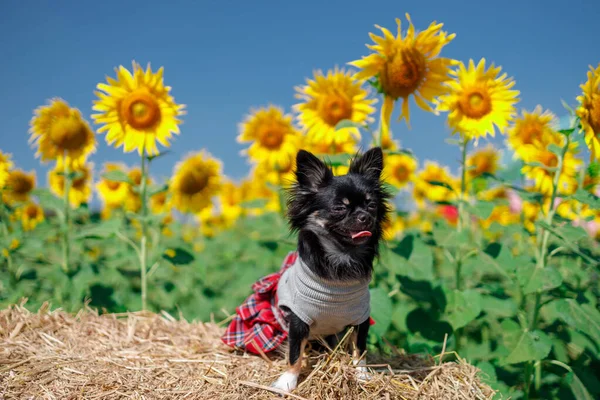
pixel 339 223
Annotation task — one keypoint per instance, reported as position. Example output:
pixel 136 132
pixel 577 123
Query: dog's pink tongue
pixel 361 234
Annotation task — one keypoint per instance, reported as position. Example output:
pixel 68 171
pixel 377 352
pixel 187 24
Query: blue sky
pixel 224 57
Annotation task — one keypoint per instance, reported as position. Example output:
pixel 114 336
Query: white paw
pixel 362 373
pixel 287 382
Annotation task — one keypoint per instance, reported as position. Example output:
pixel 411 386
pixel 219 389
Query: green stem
pixel 463 183
pixel 6 233
pixel 144 240
pixel 461 210
pixel 67 217
pixel 541 260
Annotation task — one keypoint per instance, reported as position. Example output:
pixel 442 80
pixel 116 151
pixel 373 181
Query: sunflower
pixel 478 100
pixel 137 111
pixel 423 190
pixel 31 215
pixel 502 215
pixel 133 200
pixel 81 186
pixel 340 147
pixel 283 176
pixel 230 198
pixel 273 136
pixel 393 227
pixel 329 99
pixel 405 66
pixel 399 169
pixel 531 128
pixel 481 162
pixel 495 193
pixel 212 221
pixel 60 132
pixel 543 177
pixel 19 185
pixel 112 193
pixel 5 165
pixel 253 189
pixel 589 110
pixel 159 203
pixel 195 181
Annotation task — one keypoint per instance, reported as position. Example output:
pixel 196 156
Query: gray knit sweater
pixel 326 306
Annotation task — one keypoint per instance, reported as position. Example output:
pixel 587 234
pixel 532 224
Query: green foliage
pixel 486 293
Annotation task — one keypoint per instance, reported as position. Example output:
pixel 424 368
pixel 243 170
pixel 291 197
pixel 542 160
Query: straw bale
pixel 56 355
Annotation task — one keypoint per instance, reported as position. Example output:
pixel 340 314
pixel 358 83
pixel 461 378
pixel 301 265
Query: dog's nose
pixel 362 217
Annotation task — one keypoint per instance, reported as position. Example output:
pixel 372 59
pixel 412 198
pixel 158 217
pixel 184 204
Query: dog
pixel 339 221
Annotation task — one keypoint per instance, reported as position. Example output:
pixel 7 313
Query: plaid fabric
pixel 258 326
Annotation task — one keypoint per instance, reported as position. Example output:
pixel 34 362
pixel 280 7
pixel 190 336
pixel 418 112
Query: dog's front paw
pixel 287 382
pixel 362 373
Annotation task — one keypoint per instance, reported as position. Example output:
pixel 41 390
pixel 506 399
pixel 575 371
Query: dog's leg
pixel 297 337
pixel 359 341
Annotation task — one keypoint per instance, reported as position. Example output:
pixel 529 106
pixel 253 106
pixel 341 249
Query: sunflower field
pixel 502 261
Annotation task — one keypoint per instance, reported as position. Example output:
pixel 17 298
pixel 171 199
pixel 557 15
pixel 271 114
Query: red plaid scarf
pixel 256 327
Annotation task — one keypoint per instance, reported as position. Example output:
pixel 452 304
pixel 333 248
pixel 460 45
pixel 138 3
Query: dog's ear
pixel 311 172
pixel 369 164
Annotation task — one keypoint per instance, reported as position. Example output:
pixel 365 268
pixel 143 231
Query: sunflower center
pixel 78 183
pixel 549 159
pixel 21 184
pixel 140 110
pixel 32 212
pixel 475 103
pixel 401 173
pixel 482 164
pixel 270 136
pixel 595 115
pixel 113 185
pixel 403 73
pixel 529 133
pixel 68 133
pixel 194 182
pixel 336 108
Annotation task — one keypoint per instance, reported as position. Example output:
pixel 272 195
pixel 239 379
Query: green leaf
pixel 336 160
pixel 155 156
pixel 117 176
pixel 534 279
pixel 452 141
pixel 583 317
pixel 593 169
pixel 541 165
pixel 555 149
pixel 178 256
pixel 156 189
pixel 499 258
pixel 256 203
pixel 102 230
pixel 442 184
pixel 399 152
pixel 488 372
pixel 586 197
pixel 482 209
pixel 577 387
pixel 447 236
pixel 498 307
pixel 346 123
pixel 462 307
pixel 412 258
pixel 512 172
pixel 48 200
pixel 524 345
pixel 381 311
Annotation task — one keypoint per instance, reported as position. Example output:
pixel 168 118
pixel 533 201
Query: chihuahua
pixel 339 222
